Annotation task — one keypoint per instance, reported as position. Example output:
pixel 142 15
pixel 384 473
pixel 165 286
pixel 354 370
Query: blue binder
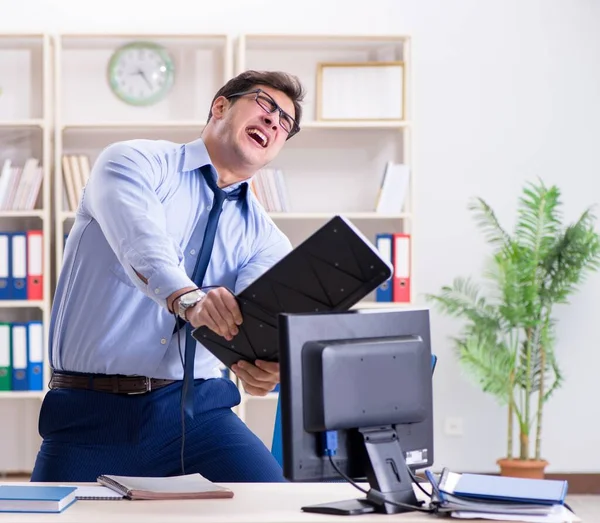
pixel 504 488
pixel 18 266
pixel 5 270
pixel 384 244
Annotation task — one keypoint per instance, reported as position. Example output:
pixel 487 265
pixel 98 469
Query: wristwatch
pixel 188 300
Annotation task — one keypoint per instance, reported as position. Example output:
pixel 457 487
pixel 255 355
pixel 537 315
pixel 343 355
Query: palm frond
pixel 487 220
pixel 539 217
pixel 488 362
pixel 574 254
pixel 555 380
pixel 464 299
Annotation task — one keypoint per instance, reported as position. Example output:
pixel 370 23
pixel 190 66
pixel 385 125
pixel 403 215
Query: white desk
pixel 252 503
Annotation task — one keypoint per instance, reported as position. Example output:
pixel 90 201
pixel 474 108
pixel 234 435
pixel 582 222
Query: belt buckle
pixel 148 383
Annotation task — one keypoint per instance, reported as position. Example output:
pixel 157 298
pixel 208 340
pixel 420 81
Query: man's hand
pixel 258 379
pixel 218 311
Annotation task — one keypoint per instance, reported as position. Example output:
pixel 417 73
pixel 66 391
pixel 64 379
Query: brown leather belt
pixel 115 383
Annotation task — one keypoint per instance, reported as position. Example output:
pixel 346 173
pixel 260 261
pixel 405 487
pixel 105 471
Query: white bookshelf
pixel 26 132
pixel 331 167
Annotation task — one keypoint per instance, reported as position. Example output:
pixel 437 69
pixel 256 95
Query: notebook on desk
pixel 330 271
pixel 188 486
pixel 36 498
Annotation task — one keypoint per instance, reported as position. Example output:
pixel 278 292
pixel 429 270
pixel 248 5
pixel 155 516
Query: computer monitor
pixel 356 403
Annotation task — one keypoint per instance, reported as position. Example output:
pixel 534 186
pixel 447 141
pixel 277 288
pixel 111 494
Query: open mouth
pixel 258 136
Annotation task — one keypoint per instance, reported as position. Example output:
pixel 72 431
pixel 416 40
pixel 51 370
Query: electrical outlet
pixel 453 426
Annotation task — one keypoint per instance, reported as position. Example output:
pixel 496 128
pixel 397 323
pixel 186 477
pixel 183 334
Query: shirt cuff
pixel 165 282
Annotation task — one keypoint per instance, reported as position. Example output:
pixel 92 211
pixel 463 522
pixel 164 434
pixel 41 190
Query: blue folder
pixel 504 488
pixel 277 444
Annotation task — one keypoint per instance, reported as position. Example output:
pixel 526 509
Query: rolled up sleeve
pixel 121 195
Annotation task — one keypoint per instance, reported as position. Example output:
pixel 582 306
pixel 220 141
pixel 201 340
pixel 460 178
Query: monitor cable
pixel 329 442
pixel 376 497
pixel 415 478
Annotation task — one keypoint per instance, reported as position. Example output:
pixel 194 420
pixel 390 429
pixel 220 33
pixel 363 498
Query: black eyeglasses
pixel 287 123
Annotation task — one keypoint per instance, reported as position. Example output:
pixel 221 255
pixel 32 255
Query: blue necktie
pixel 198 277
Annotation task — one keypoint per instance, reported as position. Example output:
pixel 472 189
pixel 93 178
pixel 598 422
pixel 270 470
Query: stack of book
pixel 501 498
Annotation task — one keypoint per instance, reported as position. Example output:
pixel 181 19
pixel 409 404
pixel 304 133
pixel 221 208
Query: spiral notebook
pixel 97 492
pixel 189 486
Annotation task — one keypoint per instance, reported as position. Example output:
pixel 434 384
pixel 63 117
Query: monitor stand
pixel 387 473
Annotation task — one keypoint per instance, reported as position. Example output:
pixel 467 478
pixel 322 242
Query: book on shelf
pixel 20 185
pixel 21 356
pixel 391 198
pixel 76 173
pixel 268 185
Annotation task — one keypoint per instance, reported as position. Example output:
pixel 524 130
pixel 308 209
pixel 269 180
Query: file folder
pixel 504 488
pixel 19 266
pixel 5 366
pixel 19 356
pixel 35 355
pixel 402 267
pixel 383 242
pixel 35 271
pixel 5 286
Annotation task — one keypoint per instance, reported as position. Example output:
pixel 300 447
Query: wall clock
pixel 141 73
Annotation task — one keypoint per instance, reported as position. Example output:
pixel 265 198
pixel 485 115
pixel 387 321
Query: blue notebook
pixel 31 498
pixel 504 488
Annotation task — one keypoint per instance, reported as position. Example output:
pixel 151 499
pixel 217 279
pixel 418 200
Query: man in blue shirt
pixel 116 346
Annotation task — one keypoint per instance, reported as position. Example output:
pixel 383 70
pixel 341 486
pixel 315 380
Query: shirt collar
pixel 195 155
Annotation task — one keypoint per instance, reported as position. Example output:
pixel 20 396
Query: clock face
pixel 141 73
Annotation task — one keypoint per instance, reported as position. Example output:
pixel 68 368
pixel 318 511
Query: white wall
pixel 505 90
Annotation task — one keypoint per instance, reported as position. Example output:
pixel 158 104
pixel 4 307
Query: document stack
pixel 500 498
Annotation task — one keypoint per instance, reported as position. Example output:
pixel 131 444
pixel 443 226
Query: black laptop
pixel 332 270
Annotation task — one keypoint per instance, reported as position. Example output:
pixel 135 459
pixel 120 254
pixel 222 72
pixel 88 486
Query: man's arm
pixel 121 196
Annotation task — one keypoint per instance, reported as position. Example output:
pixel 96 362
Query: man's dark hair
pixel 288 84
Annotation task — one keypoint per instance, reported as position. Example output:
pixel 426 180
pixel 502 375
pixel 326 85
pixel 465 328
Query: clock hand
pixel 146 79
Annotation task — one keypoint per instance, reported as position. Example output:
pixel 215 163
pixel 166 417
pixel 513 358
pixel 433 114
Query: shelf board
pixel 35 122
pixel 365 124
pixel 303 42
pixel 67 215
pixel 21 394
pixel 327 215
pixel 199 124
pixel 36 213
pixel 381 305
pixel 22 304
pixel 115 124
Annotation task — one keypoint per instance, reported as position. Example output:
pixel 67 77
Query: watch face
pixel 141 73
pixel 190 298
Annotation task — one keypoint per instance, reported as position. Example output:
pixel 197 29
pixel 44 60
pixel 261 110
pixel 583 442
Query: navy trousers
pixel 88 433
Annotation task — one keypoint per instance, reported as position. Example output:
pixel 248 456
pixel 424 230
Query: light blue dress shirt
pixel 146 206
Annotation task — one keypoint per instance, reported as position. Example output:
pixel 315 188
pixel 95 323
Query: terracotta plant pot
pixel 522 468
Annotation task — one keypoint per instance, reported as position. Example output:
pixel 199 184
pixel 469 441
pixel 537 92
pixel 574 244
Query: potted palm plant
pixel 507 343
